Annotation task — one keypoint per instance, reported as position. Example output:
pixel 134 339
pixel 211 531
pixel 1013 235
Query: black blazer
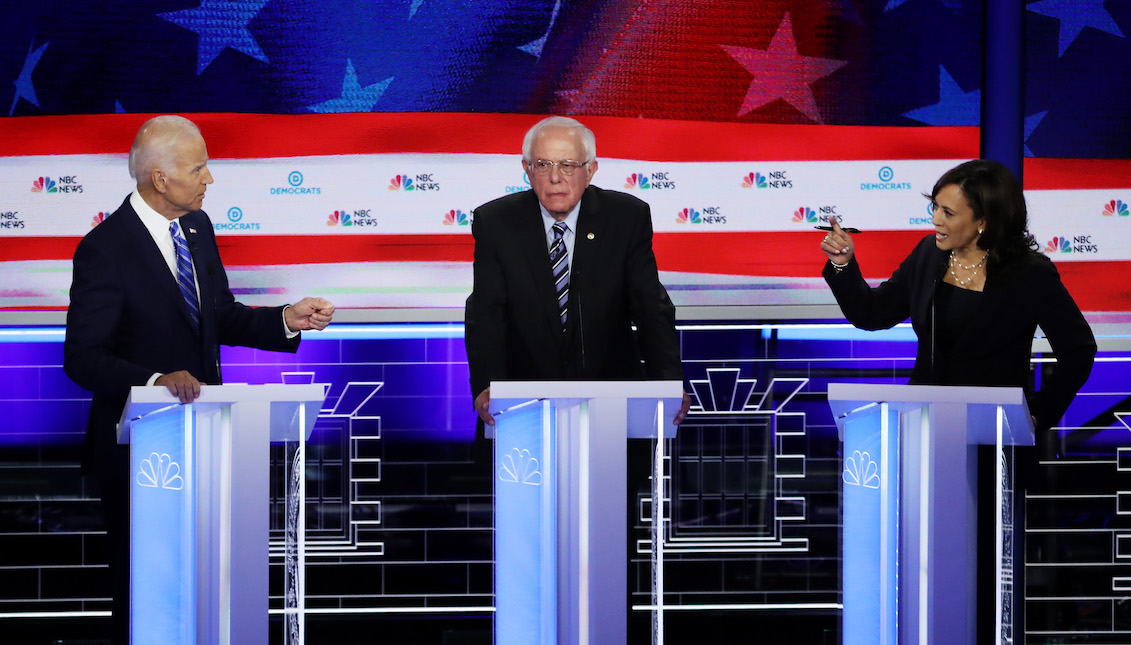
pixel 127 320
pixel 513 330
pixel 995 348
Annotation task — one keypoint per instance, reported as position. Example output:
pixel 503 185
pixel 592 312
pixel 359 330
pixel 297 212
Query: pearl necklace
pixel 973 269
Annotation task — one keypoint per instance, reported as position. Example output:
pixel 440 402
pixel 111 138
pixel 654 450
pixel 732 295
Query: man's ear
pixel 157 176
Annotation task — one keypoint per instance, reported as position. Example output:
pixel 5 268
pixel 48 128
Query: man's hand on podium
pixel 683 408
pixel 482 402
pixel 181 384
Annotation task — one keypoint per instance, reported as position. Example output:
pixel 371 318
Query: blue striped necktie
pixel 184 274
pixel 559 264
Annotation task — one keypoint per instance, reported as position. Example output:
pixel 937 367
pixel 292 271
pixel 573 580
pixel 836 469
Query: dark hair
pixel 995 197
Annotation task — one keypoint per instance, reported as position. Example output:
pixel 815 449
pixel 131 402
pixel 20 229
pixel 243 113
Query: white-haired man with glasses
pixel 562 273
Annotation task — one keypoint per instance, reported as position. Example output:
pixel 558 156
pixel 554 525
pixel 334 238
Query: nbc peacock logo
pixel 98 219
pixel 688 216
pixel 339 218
pixel 456 217
pixel 401 182
pixel 754 179
pixel 637 180
pixel 1116 208
pixel 1059 244
pixel 44 185
pixel 805 215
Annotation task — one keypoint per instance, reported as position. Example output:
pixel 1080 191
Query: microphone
pixel 580 320
pixel 211 269
pixel 190 237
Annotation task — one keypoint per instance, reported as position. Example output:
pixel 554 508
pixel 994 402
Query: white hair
pixel 156 143
pixel 588 140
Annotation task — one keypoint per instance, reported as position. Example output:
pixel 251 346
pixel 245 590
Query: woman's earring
pixel 981 230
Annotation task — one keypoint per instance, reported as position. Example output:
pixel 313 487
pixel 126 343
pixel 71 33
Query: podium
pixel 909 509
pixel 199 514
pixel 561 505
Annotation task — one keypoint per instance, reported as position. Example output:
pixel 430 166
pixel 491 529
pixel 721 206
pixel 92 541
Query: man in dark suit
pixel 150 305
pixel 562 272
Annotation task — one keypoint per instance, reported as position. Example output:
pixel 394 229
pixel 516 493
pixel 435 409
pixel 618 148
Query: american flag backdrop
pixel 666 85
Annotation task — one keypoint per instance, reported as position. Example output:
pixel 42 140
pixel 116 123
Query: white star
pixel 354 98
pixel 534 47
pixel 1074 15
pixel 220 24
pixel 780 72
pixel 24 87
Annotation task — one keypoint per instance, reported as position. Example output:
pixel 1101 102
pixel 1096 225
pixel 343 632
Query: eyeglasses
pixel 543 166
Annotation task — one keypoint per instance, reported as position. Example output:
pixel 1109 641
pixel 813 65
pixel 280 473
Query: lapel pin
pixel 591 236
pixel 192 230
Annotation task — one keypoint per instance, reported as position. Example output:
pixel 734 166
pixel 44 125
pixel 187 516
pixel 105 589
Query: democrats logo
pixel 1074 244
pixel 423 182
pixel 519 189
pixel 98 219
pixel 929 220
pixel 456 218
pixel 356 218
pixel 705 215
pixel 64 184
pixel 11 220
pixel 1116 208
pixel 776 179
pixel 886 181
pixel 236 222
pixel 295 186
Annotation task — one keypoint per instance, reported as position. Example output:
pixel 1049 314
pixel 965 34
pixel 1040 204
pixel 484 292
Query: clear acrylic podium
pixel 199 510
pixel 561 505
pixel 908 515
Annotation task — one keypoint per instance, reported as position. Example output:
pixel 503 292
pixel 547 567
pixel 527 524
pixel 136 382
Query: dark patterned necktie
pixel 559 263
pixel 184 274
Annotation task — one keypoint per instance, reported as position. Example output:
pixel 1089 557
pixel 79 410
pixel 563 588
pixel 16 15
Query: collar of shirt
pixel 158 227
pixel 570 235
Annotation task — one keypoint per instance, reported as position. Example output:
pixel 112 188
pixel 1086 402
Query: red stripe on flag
pixel 241 250
pixel 1096 286
pixel 1061 174
pixel 23 249
pixel 241 136
pixel 268 250
pixel 778 254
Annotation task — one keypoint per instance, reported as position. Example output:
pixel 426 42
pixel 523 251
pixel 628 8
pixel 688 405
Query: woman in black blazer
pixel 975 291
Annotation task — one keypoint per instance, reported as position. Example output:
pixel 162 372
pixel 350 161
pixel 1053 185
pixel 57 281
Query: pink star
pixel 780 72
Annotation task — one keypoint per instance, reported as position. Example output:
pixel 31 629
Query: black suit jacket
pixel 995 348
pixel 127 320
pixel 513 330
